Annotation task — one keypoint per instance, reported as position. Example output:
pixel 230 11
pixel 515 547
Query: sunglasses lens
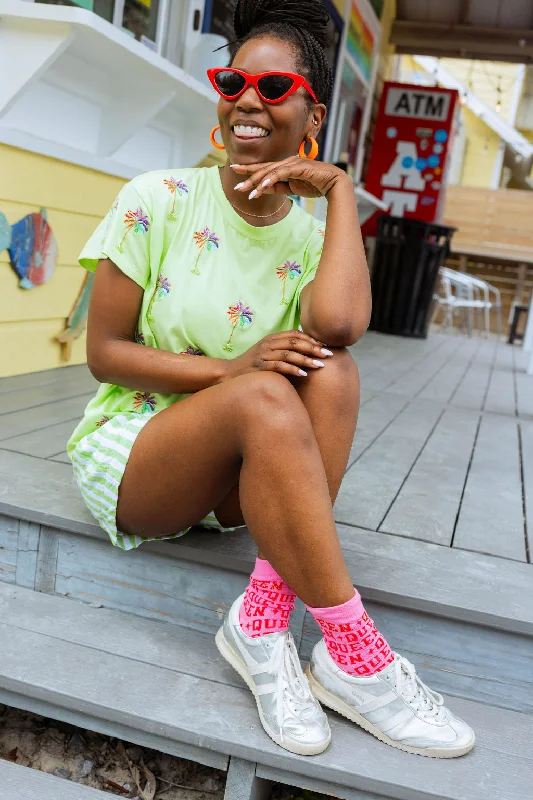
pixel 229 83
pixel 272 87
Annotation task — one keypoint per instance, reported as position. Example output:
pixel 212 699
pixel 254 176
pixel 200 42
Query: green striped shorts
pixel 99 461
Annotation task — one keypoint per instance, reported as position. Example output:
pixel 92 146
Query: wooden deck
pixel 435 516
pixel 443 451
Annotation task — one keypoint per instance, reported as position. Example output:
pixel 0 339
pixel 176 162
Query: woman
pixel 213 398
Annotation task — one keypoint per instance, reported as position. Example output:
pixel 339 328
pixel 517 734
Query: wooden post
pixel 243 783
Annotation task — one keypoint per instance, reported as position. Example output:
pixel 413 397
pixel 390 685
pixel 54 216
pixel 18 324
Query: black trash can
pixel 408 256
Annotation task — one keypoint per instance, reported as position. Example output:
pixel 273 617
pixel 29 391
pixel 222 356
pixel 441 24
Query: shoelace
pixel 285 664
pixel 424 699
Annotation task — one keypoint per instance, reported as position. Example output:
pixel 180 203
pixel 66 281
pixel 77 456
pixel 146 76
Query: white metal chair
pixel 465 294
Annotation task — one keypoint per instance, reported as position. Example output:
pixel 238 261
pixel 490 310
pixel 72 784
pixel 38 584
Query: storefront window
pixel 349 117
pixel 104 8
pixel 140 19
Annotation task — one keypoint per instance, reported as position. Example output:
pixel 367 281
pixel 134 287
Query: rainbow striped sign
pixel 360 41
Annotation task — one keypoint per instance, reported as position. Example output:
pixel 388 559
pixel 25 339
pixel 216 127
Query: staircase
pixel 123 642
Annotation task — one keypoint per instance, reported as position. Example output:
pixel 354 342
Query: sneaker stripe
pixel 397 719
pixel 377 702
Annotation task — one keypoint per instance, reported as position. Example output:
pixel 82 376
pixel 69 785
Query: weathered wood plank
pixel 406 358
pixel 124 732
pixel 43 492
pixel 524 395
pixel 372 483
pixel 374 417
pixel 491 517
pixel 243 784
pixel 180 708
pixel 19 422
pixel 65 387
pixel 427 505
pixel 458 658
pixel 443 385
pixel 22 783
pixel 147 584
pixel 472 389
pixel 34 380
pixel 46 566
pixel 414 381
pixel 501 393
pixel 9 534
pixel 43 442
pixel 62 458
pixel 314 785
pixel 28 544
pixel 526 431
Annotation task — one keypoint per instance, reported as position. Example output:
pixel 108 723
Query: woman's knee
pixel 269 399
pixel 340 376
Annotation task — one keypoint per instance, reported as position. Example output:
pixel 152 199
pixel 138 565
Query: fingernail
pixel 240 185
pixel 318 364
pixel 252 194
pixel 265 183
pixel 301 372
pixel 326 352
pixel 234 165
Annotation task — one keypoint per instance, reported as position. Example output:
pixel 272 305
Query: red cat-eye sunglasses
pixel 272 87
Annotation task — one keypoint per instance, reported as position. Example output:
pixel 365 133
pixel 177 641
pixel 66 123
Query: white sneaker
pixel 271 667
pixel 393 705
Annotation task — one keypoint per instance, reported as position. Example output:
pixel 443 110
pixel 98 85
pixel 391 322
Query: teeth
pixel 248 130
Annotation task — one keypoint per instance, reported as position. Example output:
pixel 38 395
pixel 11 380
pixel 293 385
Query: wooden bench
pixel 494 240
pixel 22 783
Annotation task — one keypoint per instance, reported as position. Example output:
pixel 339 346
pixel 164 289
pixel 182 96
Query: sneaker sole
pixel 338 705
pixel 227 652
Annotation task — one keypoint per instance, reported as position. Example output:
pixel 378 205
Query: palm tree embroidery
pixel 289 270
pixel 162 289
pixel 175 187
pixel 240 315
pixel 102 421
pixel 135 221
pixel 192 351
pixel 144 402
pixel 139 338
pixel 207 240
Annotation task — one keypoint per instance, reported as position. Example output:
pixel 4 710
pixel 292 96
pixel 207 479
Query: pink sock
pixel 352 639
pixel 267 603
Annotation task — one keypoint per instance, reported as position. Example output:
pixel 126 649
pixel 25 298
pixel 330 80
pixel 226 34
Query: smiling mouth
pixel 250 132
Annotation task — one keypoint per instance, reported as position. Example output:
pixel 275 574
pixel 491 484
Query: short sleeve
pixel 123 236
pixel 312 259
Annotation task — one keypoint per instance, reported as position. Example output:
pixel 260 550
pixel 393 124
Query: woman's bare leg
pixel 331 396
pixel 254 430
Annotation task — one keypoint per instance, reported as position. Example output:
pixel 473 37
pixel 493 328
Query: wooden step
pixel 163 686
pixel 22 783
pixel 387 569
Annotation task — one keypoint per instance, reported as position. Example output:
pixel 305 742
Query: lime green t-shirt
pixel 213 284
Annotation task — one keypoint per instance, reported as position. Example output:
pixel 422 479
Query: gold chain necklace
pixel 258 216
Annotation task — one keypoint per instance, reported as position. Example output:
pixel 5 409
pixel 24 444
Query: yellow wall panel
pixel 31 178
pixel 30 347
pixel 76 199
pixel 480 152
pixel 51 301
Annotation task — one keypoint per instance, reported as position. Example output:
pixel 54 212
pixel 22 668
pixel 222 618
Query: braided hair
pixel 302 24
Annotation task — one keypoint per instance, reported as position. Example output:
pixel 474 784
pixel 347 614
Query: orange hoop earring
pixel 312 153
pixel 214 141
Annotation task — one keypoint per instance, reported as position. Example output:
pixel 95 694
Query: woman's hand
pixel 294 175
pixel 289 353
